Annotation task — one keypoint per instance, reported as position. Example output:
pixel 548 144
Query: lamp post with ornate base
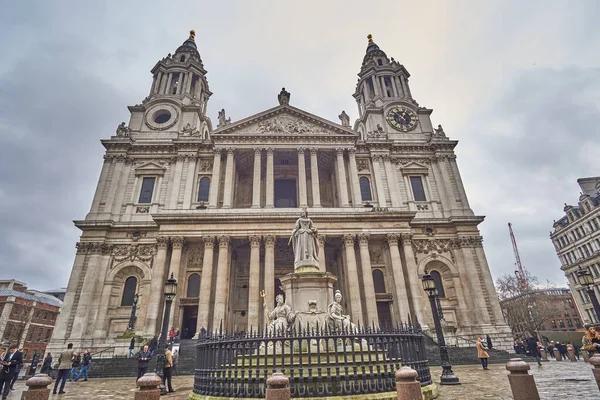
pixel 448 377
pixel 586 280
pixel 170 292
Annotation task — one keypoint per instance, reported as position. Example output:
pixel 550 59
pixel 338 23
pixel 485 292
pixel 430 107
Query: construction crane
pixel 520 271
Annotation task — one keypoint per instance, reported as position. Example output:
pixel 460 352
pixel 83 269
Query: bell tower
pixel 385 102
pixel 178 95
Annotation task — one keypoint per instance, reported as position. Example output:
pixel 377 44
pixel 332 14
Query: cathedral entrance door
pixel 190 319
pixel 384 314
pixel 285 193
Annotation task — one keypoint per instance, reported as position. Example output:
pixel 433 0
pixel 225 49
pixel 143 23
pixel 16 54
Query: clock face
pixel 402 118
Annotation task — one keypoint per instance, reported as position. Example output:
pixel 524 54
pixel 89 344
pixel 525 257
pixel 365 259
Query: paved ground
pixel 555 380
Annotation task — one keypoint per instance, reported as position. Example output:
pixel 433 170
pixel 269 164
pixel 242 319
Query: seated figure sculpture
pixel 282 317
pixel 336 319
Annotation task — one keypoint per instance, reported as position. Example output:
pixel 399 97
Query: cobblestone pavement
pixel 555 380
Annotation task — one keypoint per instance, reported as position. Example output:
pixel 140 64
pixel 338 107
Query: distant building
pixel 558 313
pixel 58 293
pixel 576 238
pixel 27 317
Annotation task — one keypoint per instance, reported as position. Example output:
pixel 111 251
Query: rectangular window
pixel 388 86
pixel 569 323
pixel 577 323
pixel 561 323
pixel 147 190
pixel 417 187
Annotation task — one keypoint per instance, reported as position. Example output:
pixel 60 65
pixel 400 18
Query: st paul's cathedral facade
pixel 214 206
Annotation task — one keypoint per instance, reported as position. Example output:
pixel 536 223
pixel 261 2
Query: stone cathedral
pixel 214 207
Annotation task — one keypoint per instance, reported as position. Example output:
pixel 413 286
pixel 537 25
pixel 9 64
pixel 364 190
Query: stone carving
pixel 422 207
pixel 433 247
pixel 136 235
pixel 123 130
pixel 206 165
pixel 195 257
pixel 362 164
pixel 93 247
pixel 133 252
pixel 336 319
pixel 283 97
pixel 188 130
pixel 282 317
pixel 439 131
pixel 376 256
pixel 379 133
pixel 467 241
pixel 284 124
pixel 304 242
pixel 142 210
pixel 222 119
pixel 344 118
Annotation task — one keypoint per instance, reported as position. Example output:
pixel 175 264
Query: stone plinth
pixel 522 384
pixel 37 387
pixel 407 386
pixel 300 288
pixel 148 387
pixel 557 355
pixel 595 361
pixel 278 387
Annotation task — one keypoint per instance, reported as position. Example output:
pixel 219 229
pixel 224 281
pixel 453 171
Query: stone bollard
pixel 595 361
pixel 544 354
pixel 148 387
pixel 557 355
pixel 521 383
pixel 407 386
pixel 37 387
pixel 571 352
pixel 278 387
pixel 585 355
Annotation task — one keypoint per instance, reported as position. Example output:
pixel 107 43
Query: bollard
pixel 407 386
pixel 557 355
pixel 521 383
pixel 571 352
pixel 148 387
pixel 595 361
pixel 544 354
pixel 278 387
pixel 585 355
pixel 37 387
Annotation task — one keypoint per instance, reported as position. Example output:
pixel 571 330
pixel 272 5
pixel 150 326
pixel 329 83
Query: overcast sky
pixel 516 82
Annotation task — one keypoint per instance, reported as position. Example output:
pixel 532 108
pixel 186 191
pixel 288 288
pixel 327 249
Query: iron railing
pixel 318 361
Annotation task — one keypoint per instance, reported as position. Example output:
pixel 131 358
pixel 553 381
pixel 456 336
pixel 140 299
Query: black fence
pixel 319 362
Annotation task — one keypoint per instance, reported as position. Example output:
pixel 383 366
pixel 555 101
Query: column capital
pixel 209 242
pixel 363 238
pixel 314 151
pixel 392 239
pixel 406 237
pixel 255 240
pixel 352 151
pixel 257 151
pixel 177 241
pixel 321 239
pixel 340 150
pixel 300 150
pixel 269 240
pixel 230 151
pixel 270 151
pixel 376 157
pixel 217 151
pixel 349 239
pixel 386 158
pixel 162 242
pixel 224 241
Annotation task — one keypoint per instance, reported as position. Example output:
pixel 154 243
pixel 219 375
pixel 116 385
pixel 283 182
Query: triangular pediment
pixel 413 167
pixel 284 120
pixel 150 168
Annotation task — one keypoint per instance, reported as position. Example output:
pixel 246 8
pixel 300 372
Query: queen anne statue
pixel 304 242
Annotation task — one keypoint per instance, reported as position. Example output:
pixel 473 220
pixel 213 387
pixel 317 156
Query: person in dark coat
pixel 47 365
pixel 131 346
pixel 532 345
pixel 144 356
pixel 488 339
pixel 8 367
pixel 153 345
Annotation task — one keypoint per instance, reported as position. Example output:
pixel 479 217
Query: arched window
pixel 437 278
pixel 182 59
pixel 203 189
pixel 193 286
pixel 379 281
pixel 129 290
pixel 365 189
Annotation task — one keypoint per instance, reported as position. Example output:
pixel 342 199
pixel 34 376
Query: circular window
pixel 162 116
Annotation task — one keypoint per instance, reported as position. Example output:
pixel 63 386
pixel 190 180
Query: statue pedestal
pixel 303 286
pixel 304 266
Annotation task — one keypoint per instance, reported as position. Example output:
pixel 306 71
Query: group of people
pixel 11 362
pixel 72 365
pixel 170 366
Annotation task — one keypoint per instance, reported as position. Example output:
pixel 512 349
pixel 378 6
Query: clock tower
pixel 385 103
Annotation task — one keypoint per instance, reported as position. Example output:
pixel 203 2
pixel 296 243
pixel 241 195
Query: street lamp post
pixel 448 377
pixel 586 280
pixel 170 292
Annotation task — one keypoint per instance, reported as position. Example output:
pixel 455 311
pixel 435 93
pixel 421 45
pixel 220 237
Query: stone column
pixel 314 177
pixel 213 200
pixel 397 271
pixel 322 263
pixel 228 188
pixel 302 179
pixel 269 286
pixel 169 80
pixel 206 285
pixel 355 184
pixel 256 178
pixel 367 274
pixel 179 82
pixel 101 185
pixel 156 287
pixel 175 183
pixel 414 283
pixel 222 283
pixel 254 284
pixel 189 182
pixel 392 179
pixel 163 83
pixel 352 276
pixel 341 175
pixel 375 158
pixel 174 270
pixel 269 188
pixel 156 83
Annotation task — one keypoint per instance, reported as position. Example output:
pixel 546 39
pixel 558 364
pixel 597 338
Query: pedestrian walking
pixel 168 369
pixel 171 334
pixel 153 345
pixel 19 354
pixel 132 347
pixel 532 345
pixel 10 360
pixel 482 354
pixel 47 365
pixel 488 339
pixel 85 366
pixel 175 361
pixel 65 363
pixel 74 365
pixel 144 356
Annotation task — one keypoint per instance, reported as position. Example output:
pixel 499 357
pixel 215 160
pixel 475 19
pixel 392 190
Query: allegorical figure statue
pixel 336 319
pixel 304 242
pixel 282 317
